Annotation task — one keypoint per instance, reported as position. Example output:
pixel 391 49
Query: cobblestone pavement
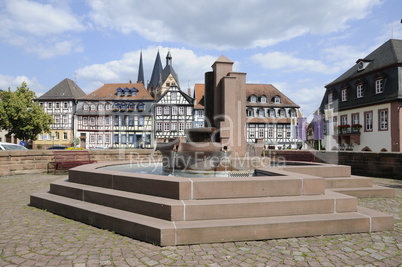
pixel 33 237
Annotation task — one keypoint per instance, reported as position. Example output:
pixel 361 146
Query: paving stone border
pixel 33 237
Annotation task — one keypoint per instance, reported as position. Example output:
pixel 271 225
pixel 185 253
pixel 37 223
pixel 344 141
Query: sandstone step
pixel 199 188
pixel 367 192
pixel 176 210
pixel 348 182
pixel 166 233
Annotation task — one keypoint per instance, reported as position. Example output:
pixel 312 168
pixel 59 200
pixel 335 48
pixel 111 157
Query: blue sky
pixel 299 46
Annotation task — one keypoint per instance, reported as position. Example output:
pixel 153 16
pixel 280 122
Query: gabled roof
pixel 387 54
pixel 269 91
pixel 186 96
pixel 108 92
pixel 66 89
pixel 169 70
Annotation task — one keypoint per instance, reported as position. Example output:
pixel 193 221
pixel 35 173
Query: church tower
pixel 140 78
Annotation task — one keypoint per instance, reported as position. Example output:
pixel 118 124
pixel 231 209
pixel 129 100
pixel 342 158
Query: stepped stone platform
pixel 338 178
pixel 169 210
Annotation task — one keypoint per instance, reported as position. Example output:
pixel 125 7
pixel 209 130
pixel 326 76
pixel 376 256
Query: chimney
pixel 189 91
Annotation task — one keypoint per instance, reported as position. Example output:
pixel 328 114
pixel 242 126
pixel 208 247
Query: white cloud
pixel 223 24
pixel 39 28
pixel 290 63
pixel 186 63
pixel 12 82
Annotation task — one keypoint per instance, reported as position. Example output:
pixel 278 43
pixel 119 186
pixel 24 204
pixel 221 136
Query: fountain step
pixel 348 182
pixel 278 184
pixel 320 170
pixel 166 233
pixel 367 192
pixel 180 210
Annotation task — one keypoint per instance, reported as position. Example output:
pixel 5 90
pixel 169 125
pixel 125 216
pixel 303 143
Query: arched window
pixel 250 112
pixel 263 99
pixel 141 107
pixel 277 99
pixel 253 99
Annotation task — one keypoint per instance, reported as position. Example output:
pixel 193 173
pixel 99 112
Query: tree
pixel 21 116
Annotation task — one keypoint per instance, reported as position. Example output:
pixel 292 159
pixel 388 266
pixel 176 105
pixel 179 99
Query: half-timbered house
pixel 173 114
pixel 60 102
pixel 116 116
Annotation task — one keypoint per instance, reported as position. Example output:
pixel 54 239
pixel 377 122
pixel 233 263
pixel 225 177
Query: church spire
pixel 168 59
pixel 141 71
pixel 156 74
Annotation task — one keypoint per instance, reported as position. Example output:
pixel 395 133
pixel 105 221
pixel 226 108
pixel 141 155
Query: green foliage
pixel 21 116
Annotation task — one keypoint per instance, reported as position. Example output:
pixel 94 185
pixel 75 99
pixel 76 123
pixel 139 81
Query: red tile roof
pixel 108 92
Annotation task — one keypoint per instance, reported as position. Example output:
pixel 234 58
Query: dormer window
pixel 362 64
pixel 276 99
pixel 344 94
pixel 140 107
pixel 379 86
pixel 253 99
pixel 119 92
pixel 263 99
pixel 250 112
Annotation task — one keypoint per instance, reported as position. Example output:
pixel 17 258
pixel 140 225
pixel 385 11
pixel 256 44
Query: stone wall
pixel 384 164
pixel 36 161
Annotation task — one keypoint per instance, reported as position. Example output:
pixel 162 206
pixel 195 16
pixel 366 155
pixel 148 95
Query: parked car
pixel 57 147
pixel 11 146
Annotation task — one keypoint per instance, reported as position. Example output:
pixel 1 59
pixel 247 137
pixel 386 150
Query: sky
pixel 298 46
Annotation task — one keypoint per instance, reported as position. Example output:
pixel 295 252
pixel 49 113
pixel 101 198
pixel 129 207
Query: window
pixel 250 112
pixel 359 91
pixel 251 132
pixel 293 113
pixel 123 139
pixel 368 121
pixel 85 107
pixel 344 94
pixel 100 121
pixel 166 126
pixel 100 107
pixel 100 139
pixel 355 122
pixel 159 126
pixel 65 119
pixel 270 131
pixel 57 137
pixel 166 110
pixel 140 121
pixel 261 113
pixel 115 139
pixel 57 104
pixel 344 120
pixel 383 119
pixel 158 110
pixel 253 99
pixel 131 139
pixel 189 111
pixel 263 99
pixel 41 104
pixel 261 132
pixel 141 107
pixel 282 113
pixel 130 120
pixel 173 95
pixel 85 120
pixel 200 113
pixel 181 110
pixel 107 120
pixel 277 100
pixel 116 120
pixel 108 106
pixel 49 105
pixel 65 105
pixel 271 113
pixel 91 121
pixel 174 110
pixel 65 136
pixel 56 119
pixel 92 138
pixel 288 131
pixel 379 86
pixel 181 126
pixel 107 139
pixel 173 127
pixel 125 120
pixel 279 131
pixel 189 125
pixel 93 107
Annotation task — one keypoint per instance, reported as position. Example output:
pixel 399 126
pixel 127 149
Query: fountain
pixel 195 204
